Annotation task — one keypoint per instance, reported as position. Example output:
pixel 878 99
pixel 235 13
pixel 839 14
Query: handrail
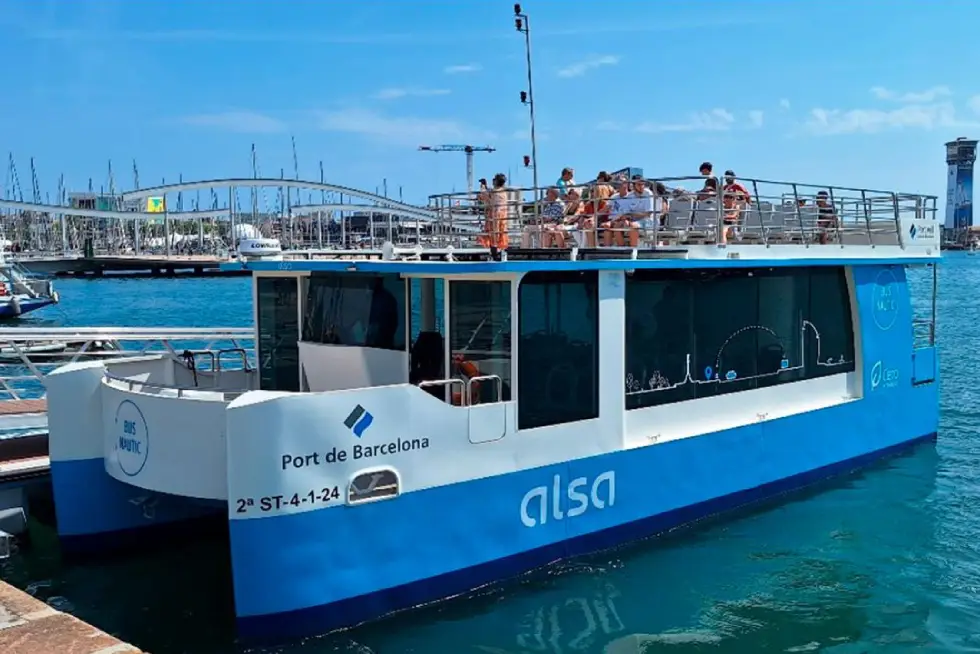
pixel 29 354
pixel 498 386
pixel 131 383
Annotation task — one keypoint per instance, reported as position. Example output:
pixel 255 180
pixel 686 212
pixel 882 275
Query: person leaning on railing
pixel 495 215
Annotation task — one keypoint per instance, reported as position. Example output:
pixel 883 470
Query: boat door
pixel 480 352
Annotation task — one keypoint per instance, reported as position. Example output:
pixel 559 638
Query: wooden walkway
pixel 19 407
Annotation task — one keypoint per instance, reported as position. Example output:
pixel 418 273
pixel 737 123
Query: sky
pixel 859 94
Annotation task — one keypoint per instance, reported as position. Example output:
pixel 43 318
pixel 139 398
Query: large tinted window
pixel 692 334
pixel 558 348
pixel 278 327
pixel 363 310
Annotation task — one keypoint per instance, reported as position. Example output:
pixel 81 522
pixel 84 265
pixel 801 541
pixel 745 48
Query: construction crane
pixel 468 149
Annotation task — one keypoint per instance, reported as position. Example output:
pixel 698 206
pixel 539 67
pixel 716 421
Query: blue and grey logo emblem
pixel 359 420
pixel 912 231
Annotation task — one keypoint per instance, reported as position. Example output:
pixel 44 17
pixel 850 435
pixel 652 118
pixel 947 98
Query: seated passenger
pixel 710 189
pixel 641 214
pixel 662 197
pixel 596 209
pixel 552 217
pixel 620 208
pixel 571 219
pixel 565 181
pixel 826 217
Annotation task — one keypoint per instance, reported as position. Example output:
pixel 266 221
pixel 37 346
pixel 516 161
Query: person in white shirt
pixel 642 211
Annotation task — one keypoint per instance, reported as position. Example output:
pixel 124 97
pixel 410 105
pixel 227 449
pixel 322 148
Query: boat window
pixel 427 354
pixel 692 334
pixel 362 310
pixel 479 337
pixel 558 350
pixel 278 331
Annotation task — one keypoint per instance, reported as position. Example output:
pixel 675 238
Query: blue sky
pixel 858 94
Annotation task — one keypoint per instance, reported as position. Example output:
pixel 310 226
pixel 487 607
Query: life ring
pixel 468 370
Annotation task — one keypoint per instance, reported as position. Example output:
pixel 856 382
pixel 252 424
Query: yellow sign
pixel 155 205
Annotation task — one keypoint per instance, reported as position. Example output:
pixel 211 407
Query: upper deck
pixel 779 222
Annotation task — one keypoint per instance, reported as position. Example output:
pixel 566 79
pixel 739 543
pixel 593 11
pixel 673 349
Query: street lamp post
pixel 523 25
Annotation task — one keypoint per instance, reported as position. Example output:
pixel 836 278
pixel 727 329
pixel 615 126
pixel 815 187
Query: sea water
pixel 887 560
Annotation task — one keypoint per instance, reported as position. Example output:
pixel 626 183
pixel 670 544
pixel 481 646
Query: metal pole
pixel 521 16
pixel 469 171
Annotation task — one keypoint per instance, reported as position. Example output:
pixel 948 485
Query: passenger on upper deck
pixel 705 169
pixel 565 181
pixel 710 189
pixel 638 210
pixel 495 221
pixel 552 220
pixel 826 216
pixel 735 199
pixel 595 214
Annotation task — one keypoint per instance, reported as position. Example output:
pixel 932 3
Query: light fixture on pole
pixel 523 25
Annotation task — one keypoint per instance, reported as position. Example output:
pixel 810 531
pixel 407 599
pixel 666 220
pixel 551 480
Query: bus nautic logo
pixel 580 493
pixel 132 440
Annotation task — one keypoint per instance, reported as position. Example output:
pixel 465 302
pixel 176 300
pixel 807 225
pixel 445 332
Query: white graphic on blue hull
pixel 578 501
pixel 657 381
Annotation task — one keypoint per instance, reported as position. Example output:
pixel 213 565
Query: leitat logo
pixel 882 377
pixel 359 420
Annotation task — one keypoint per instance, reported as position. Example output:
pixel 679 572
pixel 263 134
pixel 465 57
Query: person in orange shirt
pixel 495 221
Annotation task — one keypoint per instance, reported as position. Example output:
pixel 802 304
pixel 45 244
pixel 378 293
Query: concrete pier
pixel 29 626
pixel 99 266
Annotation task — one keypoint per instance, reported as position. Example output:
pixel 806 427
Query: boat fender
pixel 55 297
pixel 468 370
pixel 15 306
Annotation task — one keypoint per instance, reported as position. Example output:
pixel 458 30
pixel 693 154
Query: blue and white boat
pixel 20 293
pixel 425 421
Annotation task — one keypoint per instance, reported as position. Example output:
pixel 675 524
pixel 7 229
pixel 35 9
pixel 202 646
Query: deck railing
pixel 768 213
pixel 28 354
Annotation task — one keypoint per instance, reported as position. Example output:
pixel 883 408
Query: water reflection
pixel 843 564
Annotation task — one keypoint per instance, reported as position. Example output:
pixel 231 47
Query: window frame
pixel 590 281
pixel 401 297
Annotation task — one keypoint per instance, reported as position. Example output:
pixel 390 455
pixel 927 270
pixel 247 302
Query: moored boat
pixel 425 421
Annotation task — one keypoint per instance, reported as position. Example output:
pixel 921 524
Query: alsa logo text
pixel 539 502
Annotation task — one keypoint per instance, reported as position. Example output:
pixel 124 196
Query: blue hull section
pixel 97 514
pixel 313 572
pixel 26 306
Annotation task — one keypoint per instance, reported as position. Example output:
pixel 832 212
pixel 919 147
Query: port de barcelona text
pixel 356 452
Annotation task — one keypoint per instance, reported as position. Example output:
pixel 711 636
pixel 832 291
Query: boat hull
pixel 331 568
pixel 27 305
